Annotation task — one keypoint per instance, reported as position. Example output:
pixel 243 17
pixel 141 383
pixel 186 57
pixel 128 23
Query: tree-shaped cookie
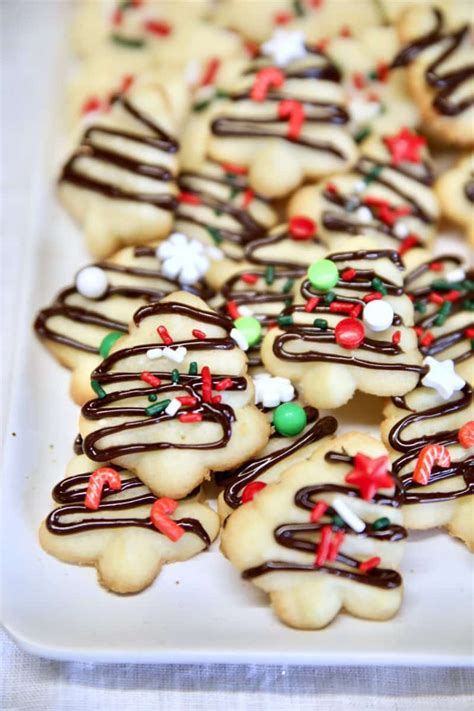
pixel 107 517
pixel 328 536
pixel 438 55
pixel 119 183
pixel 348 329
pixel 283 117
pixel 88 316
pixel 173 399
pixel 455 191
pixel 388 195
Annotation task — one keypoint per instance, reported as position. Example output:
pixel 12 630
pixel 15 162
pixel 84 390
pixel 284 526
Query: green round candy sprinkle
pixel 323 274
pixel 108 341
pixel 338 521
pixel 153 397
pixel 289 419
pixel 381 523
pixel 250 327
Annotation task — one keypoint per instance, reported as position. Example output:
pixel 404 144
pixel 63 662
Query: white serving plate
pixel 198 611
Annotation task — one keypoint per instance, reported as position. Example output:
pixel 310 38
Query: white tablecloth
pixel 30 683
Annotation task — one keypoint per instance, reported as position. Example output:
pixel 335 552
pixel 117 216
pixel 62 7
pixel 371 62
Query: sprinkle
pixel 117 17
pixel 331 188
pixel 233 310
pixel 346 513
pixel 108 341
pixel 455 275
pixel 359 186
pixel 338 521
pixel 311 304
pixel 272 391
pixel 152 397
pixel 187 400
pixel 157 407
pixel 265 79
pixel 193 368
pixel 189 198
pixel 150 379
pixel 358 80
pixel 198 334
pixel 453 296
pixel 98 389
pixel 90 105
pixel 369 475
pixel 348 274
pixel 466 435
pixel 235 168
pixel 131 42
pixel 224 384
pixel 269 275
pixel 329 297
pixel 164 335
pixel 91 282
pixel 173 407
pixel 159 516
pixel 318 511
pixel 286 320
pixel 95 485
pixel 323 546
pixel 175 376
pixel 373 174
pixel 400 230
pixel 405 146
pixel 282 18
pixel 295 113
pixel 301 227
pixel 367 565
pixel 216 399
pixel 210 72
pixel 380 524
pixel 360 136
pixel 378 315
pixel 420 306
pixel 177 355
pixel 356 311
pixel 345 31
pixel 396 338
pixel 429 455
pixel 249 278
pixel 336 542
pixel 288 286
pixel 127 82
pixel 189 417
pixel 373 296
pixel 349 333
pixel 157 27
pixel 248 197
pixel 469 333
pixel 206 383
pixel 215 234
pixel 239 338
pixel 251 490
pixel 435 298
pixel 407 244
pixel 378 285
pixel 339 307
pixel 427 339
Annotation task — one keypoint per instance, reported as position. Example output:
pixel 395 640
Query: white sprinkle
pixel 272 391
pixel 240 339
pixel 442 377
pixel 348 515
pixel 245 311
pixel 177 355
pixel 400 230
pixel 455 275
pixel 284 47
pixel 154 353
pixel 378 315
pixel 173 407
pixel 363 214
pixel 359 186
pixel 92 282
pixel 215 253
pixel 192 72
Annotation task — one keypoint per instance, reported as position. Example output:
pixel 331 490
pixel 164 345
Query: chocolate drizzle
pixel 469 189
pixel 89 148
pixel 444 84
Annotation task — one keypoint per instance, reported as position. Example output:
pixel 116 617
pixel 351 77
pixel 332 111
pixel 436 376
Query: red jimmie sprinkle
pixel 469 333
pixel 373 296
pixel 367 565
pixel 407 244
pixel 117 17
pixel 396 338
pixel 356 310
pixel 92 104
pixel 187 400
pixel 235 168
pixel 331 188
pixel 323 546
pixel 249 278
pixel 316 3
pixel 164 335
pixel 224 384
pixel 232 310
pixel 210 71
pixel 252 48
pixel 466 435
pixel 358 80
pixel 97 480
pixel 216 399
pixel 311 304
pixel 301 227
pixel 349 333
pixel 418 330
pixel 383 70
pixel 335 544
pixel 248 197
pixel 452 295
pixel 251 490
pixel 157 27
pixel 348 274
pixel 190 417
pixel 265 79
pixel 282 18
pixel 159 516
pixel 189 198
pixel 436 267
pixel 206 384
pixel 198 334
pixel 127 82
pixel 339 307
pixel 294 112
pixel 318 511
pixel 435 298
pixel 323 44
pixel 345 31
pixel 150 379
pixel 427 339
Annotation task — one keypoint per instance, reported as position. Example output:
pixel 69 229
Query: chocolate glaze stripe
pixel 159 140
pixel 452 80
pixel 325 69
pixel 469 189
pixel 425 267
pixel 270 240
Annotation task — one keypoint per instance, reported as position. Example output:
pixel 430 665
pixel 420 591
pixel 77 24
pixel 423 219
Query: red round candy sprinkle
pixel 301 227
pixel 349 333
pixel 466 435
pixel 251 489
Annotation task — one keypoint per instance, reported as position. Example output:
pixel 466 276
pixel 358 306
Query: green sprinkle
pixel 132 42
pixel 373 174
pixel 158 407
pixel 362 134
pixel 288 285
pixel 338 521
pixel 420 306
pixel 372 75
pixel 440 320
pixel 153 397
pixel 193 368
pixel 285 320
pixel 221 94
pixel 468 304
pixel 381 524
pixel 329 297
pixel 215 234
pixel 108 341
pixel 377 285
pixel 467 284
pixel 175 376
pixel 201 105
pixel 298 8
pixel 98 389
pixel 472 344
pixel 270 275
pixel 320 323
pixel 234 192
pixel 446 308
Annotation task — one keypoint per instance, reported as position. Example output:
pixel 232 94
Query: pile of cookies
pixel 256 183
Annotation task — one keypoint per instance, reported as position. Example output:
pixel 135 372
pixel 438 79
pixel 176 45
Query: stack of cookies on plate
pixel 256 183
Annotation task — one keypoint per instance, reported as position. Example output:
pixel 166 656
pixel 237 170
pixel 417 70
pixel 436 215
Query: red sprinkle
pixel 469 333
pixel 210 71
pixel 249 278
pixel 323 44
pixel 339 307
pixel 206 384
pixel 92 104
pixel 104 475
pixel 282 18
pixel 294 112
pixel 436 267
pixel 466 435
pixel 435 298
pixel 358 80
pixel 198 334
pixel 224 384
pixel 407 244
pixel 159 516
pixel 233 310
pixel 428 456
pixel 216 399
pixel 418 330
pixel 190 417
pixel 396 338
pixel 235 168
pixel 189 198
pixel 336 543
pixel 127 82
pixel 318 511
pixel 349 333
pixel 164 335
pixel 427 339
pixel 383 70
pixel 345 31
pixel 323 547
pixel 187 400
pixel 265 79
pixel 311 304
pixel 248 197
pixel 117 17
pixel 316 3
pixel 252 48
pixel 348 274
pixel 452 295
pixel 331 188
pixel 251 490
pixel 158 27
pixel 355 313
pixel 367 565
pixel 301 227
pixel 150 379
pixel 373 296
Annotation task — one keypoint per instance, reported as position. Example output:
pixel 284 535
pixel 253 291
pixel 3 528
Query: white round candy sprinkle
pixel 455 275
pixel 359 186
pixel 363 215
pixel 400 230
pixel 92 282
pixel 378 315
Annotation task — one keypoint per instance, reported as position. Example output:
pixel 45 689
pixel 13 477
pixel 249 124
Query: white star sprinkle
pixel 442 377
pixel 285 47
